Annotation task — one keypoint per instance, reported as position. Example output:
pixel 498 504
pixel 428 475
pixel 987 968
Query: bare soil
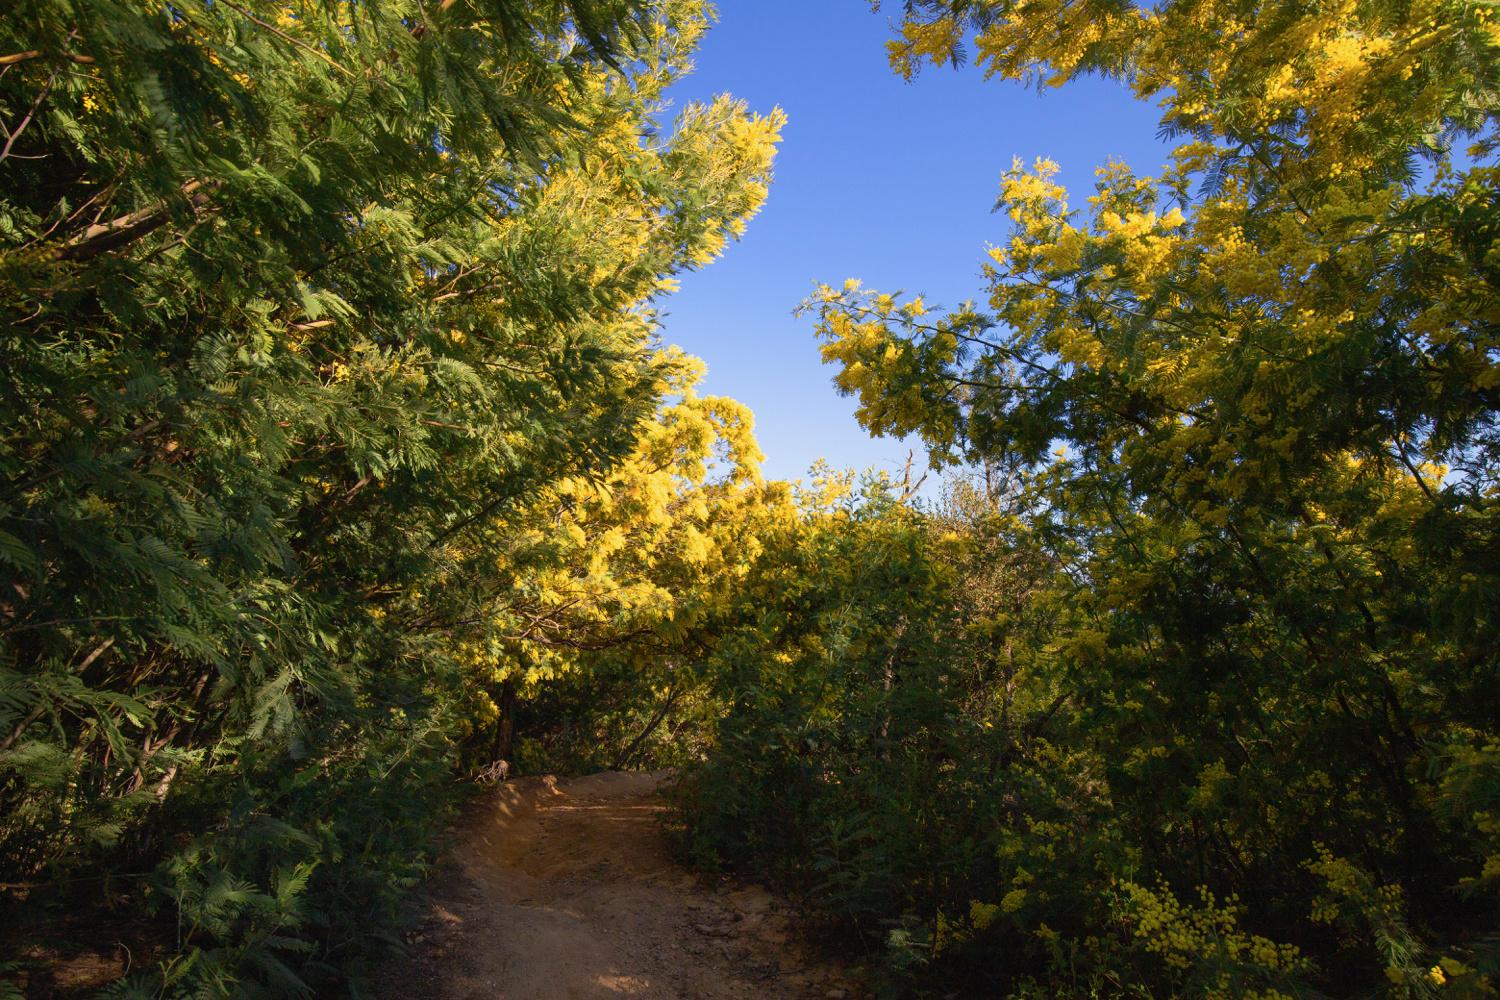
pixel 74 954
pixel 565 890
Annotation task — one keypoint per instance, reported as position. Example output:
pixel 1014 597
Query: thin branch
pixel 661 713
pixel 41 706
pixel 88 660
pixel 300 44
pixel 31 717
pixel 908 490
pixel 11 137
pixel 1401 453
pixel 20 57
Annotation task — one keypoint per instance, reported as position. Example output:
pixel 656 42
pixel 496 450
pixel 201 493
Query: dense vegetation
pixel 331 406
pixel 340 460
pixel 1228 725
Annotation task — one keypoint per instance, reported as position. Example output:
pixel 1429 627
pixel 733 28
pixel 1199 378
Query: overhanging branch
pixel 126 229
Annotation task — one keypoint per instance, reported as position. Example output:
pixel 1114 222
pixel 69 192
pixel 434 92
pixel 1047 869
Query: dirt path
pixel 565 891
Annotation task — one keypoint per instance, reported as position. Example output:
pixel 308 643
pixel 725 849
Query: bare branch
pixel 20 57
pixel 11 137
pixel 98 239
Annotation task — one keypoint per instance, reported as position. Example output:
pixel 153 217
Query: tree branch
pixel 11 137
pixel 98 239
pixel 20 57
pixel 661 713
pixel 300 44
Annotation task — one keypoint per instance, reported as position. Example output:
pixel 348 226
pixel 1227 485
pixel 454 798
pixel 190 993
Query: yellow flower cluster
pixel 1206 935
pixel 626 552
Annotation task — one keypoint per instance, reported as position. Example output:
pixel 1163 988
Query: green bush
pixel 915 742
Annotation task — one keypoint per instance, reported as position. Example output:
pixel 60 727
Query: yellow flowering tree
pixel 1255 397
pixel 624 566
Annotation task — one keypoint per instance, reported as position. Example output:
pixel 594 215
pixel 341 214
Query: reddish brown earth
pixel 564 890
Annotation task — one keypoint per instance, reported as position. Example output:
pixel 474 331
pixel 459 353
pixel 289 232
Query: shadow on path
pixel 566 891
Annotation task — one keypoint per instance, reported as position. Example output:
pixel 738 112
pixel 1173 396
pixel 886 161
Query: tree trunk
pixel 505 725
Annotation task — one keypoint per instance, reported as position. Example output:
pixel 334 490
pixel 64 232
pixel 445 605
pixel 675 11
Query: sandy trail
pixel 564 891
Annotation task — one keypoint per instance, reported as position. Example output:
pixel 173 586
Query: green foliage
pixel 333 421
pixel 612 715
pixel 305 305
pixel 1250 410
pixel 884 726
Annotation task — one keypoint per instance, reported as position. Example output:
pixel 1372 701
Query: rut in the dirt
pixel 564 889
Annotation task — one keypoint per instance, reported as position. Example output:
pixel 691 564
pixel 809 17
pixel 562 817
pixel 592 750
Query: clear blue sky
pixel 876 179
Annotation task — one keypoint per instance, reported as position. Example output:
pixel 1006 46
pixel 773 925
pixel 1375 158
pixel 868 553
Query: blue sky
pixel 876 179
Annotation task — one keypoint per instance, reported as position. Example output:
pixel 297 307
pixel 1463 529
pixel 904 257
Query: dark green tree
pixel 301 302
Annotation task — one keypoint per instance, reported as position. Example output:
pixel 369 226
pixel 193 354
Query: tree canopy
pixel 336 436
pixel 320 319
pixel 1253 404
